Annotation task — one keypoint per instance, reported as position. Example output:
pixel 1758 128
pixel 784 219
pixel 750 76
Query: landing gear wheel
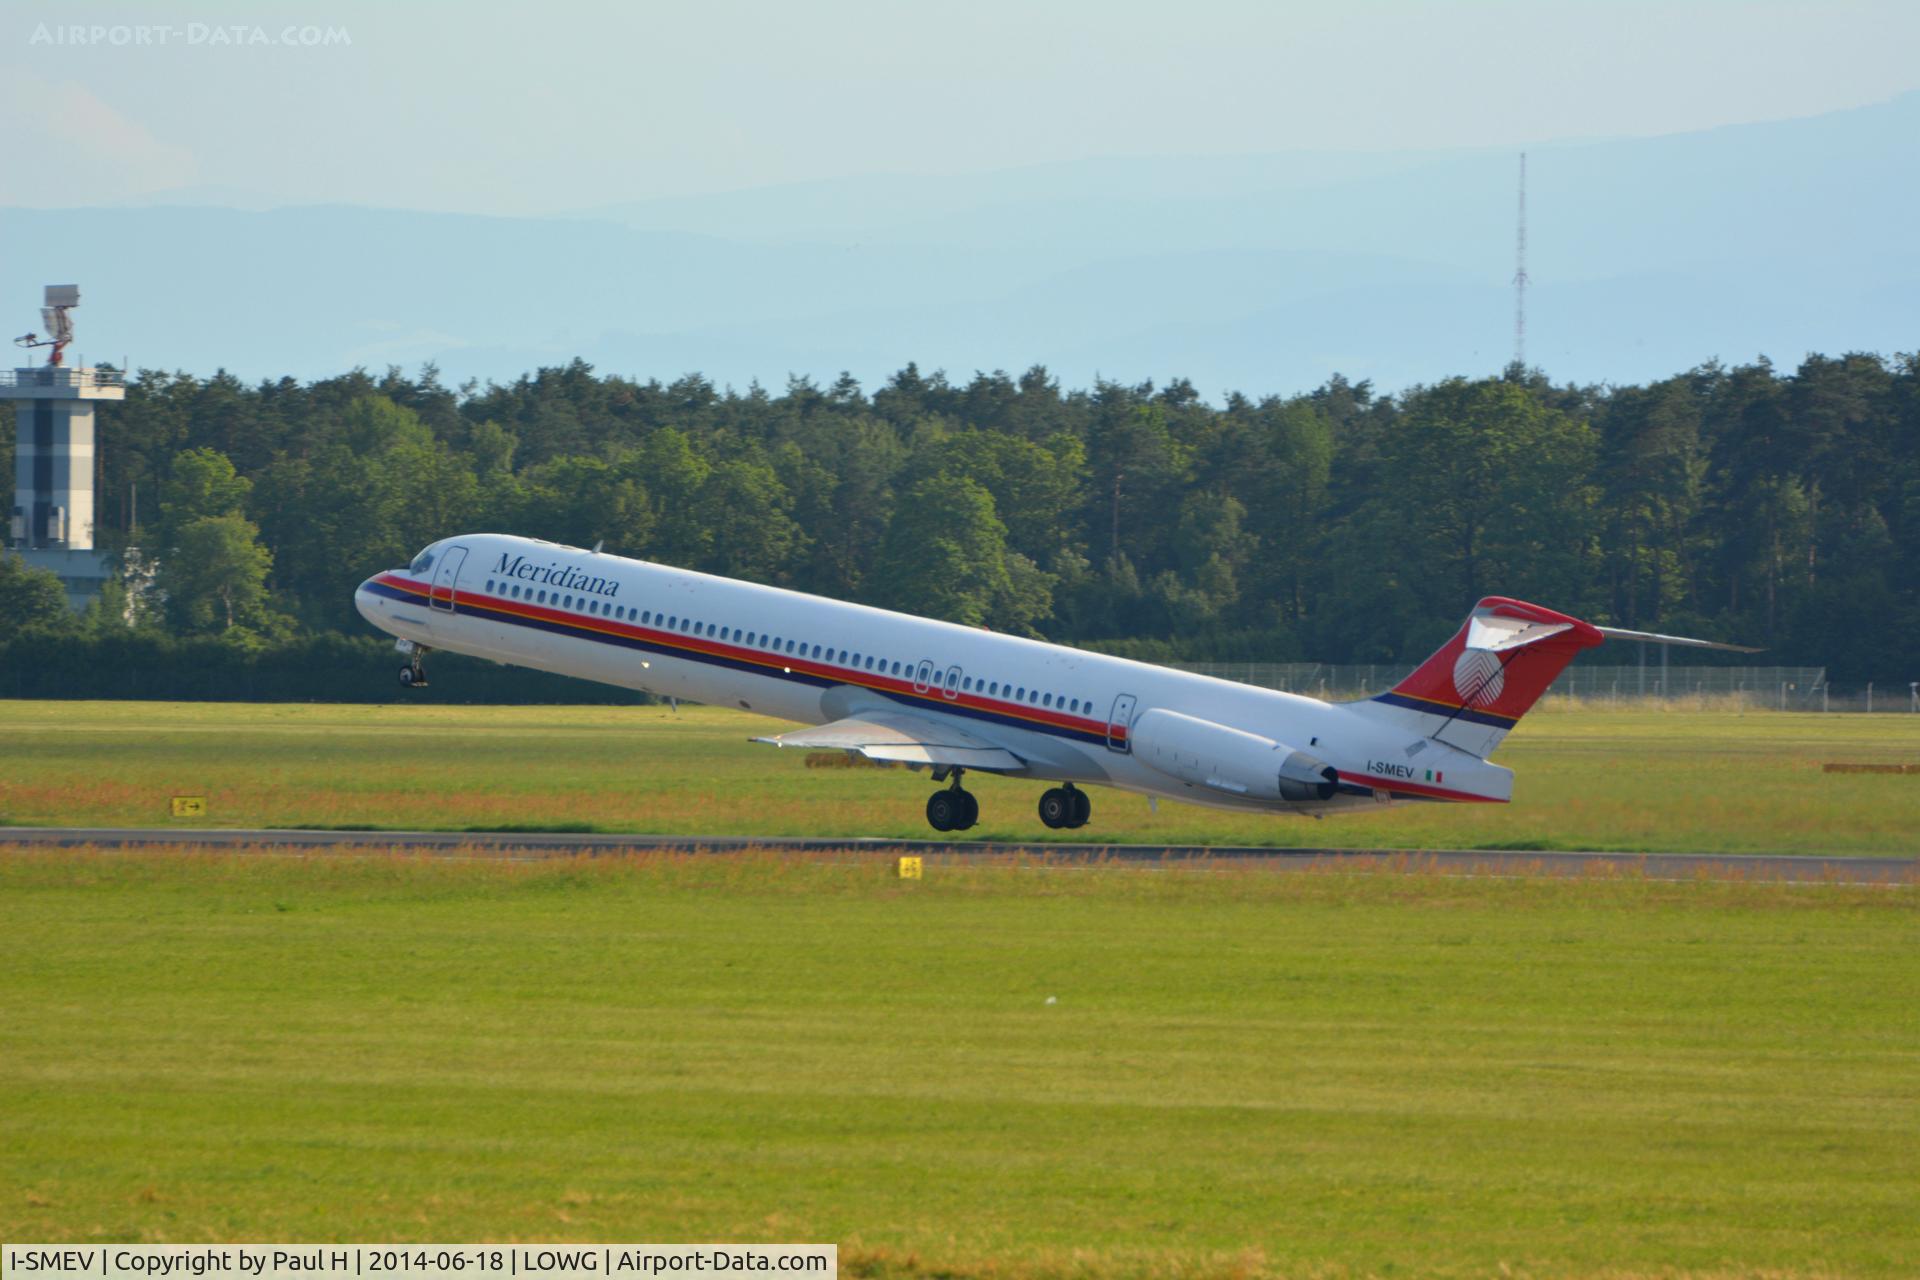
pixel 1082 807
pixel 1057 808
pixel 946 811
pixel 408 677
pixel 954 809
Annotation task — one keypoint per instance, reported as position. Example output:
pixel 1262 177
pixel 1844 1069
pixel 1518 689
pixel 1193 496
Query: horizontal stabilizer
pixel 1620 633
pixel 906 739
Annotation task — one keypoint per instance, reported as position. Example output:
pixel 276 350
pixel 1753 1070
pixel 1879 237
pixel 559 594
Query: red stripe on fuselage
pixel 808 666
pixel 1416 788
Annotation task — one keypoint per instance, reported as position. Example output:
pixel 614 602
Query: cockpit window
pixel 422 562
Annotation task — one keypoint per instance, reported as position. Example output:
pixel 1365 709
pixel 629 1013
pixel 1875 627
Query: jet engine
pixel 1202 753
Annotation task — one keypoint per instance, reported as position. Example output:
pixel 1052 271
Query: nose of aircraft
pixel 367 602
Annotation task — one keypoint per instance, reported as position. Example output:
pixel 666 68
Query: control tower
pixel 52 521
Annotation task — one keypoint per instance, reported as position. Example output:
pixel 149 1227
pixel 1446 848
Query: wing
pixel 887 735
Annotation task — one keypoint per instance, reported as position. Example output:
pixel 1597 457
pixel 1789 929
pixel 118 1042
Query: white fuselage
pixel 1069 715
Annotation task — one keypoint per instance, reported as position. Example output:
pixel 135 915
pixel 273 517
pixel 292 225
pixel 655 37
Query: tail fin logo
pixel 1479 677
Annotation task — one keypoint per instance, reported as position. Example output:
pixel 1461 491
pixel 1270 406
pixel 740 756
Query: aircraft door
pixel 922 676
pixel 1120 723
pixel 951 689
pixel 446 576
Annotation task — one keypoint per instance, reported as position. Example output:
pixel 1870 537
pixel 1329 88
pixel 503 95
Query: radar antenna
pixel 61 298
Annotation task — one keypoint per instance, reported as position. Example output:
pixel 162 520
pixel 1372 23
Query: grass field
pixel 1615 780
pixel 1244 1074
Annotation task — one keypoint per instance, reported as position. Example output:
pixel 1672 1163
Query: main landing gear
pixel 414 674
pixel 954 809
pixel 1066 806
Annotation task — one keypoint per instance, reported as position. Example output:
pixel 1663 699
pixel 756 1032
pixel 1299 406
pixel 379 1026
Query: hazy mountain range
pixel 1259 273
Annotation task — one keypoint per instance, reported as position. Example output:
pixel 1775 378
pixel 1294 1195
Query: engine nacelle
pixel 1205 754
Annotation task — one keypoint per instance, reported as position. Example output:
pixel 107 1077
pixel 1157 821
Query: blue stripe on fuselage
pixel 469 606
pixel 1444 711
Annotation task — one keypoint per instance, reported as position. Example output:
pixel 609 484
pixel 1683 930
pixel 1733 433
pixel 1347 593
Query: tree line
pixel 1746 503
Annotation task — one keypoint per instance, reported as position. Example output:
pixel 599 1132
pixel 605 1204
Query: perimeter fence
pixel 1755 688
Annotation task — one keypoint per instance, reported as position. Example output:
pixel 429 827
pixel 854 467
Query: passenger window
pixel 1046 700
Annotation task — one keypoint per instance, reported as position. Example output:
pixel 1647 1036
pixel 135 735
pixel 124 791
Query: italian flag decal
pixel 1436 777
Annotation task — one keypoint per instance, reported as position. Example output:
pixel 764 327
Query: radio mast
pixel 1520 274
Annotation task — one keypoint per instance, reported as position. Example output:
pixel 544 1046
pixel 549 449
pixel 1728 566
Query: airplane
pixel 954 699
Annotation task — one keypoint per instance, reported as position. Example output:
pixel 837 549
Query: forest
pixel 1741 503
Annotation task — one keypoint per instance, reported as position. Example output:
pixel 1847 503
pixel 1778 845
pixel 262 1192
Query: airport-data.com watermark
pixel 189 35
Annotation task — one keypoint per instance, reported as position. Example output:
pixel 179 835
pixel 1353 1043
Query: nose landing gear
pixel 954 809
pixel 414 674
pixel 1066 806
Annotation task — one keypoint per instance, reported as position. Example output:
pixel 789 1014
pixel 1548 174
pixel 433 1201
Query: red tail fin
pixel 1496 666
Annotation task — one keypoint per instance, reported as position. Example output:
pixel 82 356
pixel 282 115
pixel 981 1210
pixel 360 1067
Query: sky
pixel 582 103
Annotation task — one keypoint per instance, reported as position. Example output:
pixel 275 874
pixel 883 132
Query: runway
pixel 1486 862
